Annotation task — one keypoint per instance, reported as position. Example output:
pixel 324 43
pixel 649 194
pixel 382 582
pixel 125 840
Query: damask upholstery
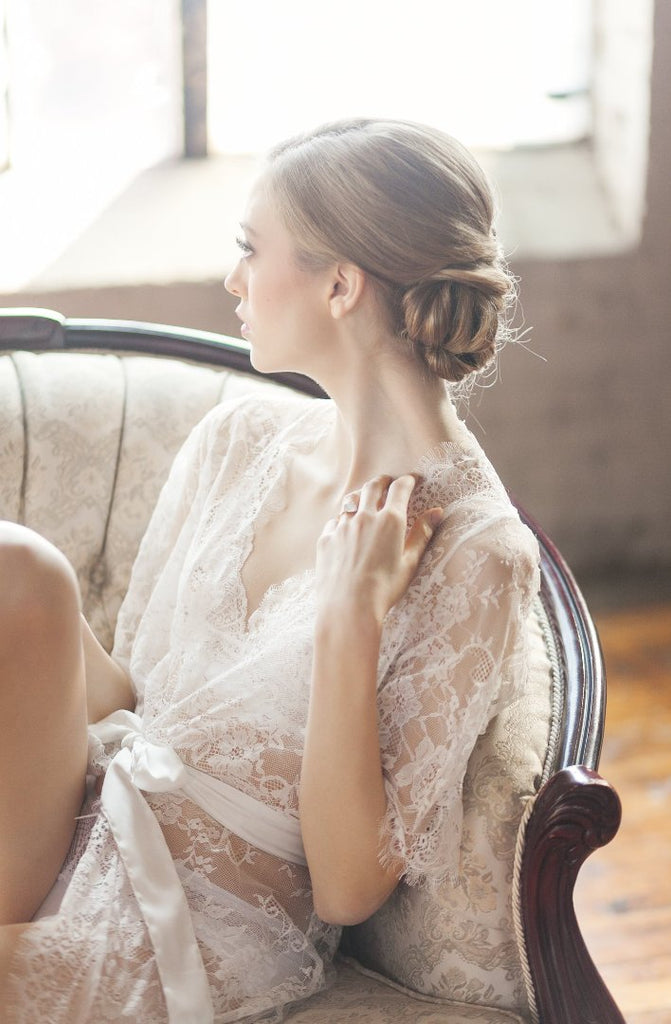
pixel 362 997
pixel 86 441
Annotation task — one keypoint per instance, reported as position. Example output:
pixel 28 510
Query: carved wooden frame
pixel 575 813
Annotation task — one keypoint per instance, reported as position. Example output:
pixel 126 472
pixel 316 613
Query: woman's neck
pixel 390 413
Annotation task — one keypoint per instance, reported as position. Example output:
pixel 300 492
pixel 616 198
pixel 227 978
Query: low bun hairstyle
pixel 455 319
pixel 411 207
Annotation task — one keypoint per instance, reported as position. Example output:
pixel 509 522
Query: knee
pixel 36 580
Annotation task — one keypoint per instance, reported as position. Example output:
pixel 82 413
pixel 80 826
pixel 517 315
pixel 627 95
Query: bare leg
pixel 9 937
pixel 43 740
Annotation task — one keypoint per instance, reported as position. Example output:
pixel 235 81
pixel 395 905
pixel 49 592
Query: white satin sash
pixel 142 765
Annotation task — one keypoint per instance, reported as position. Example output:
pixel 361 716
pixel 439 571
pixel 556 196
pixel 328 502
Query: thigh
pixel 9 938
pixel 43 737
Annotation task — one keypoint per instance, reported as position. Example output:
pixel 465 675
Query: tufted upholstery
pixel 86 442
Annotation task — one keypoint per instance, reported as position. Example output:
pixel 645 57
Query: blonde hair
pixel 413 209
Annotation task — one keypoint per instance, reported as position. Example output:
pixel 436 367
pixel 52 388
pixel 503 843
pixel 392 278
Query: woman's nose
pixel 231 284
pixel 234 281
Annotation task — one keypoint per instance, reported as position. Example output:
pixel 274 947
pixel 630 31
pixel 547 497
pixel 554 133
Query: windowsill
pixel 553 204
pixel 176 222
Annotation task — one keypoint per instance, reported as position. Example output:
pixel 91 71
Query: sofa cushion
pixel 362 997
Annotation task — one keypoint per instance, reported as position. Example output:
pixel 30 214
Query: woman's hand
pixel 367 557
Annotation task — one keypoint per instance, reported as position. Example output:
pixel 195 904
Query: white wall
pixel 621 95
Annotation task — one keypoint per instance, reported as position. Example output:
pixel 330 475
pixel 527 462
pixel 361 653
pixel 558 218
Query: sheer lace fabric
pixel 229 693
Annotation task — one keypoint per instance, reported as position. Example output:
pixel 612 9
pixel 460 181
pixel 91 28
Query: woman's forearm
pixel 342 797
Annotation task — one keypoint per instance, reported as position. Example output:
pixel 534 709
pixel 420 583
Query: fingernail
pixel 436 517
pixel 433 519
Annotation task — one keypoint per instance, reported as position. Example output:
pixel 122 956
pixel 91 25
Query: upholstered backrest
pixel 85 444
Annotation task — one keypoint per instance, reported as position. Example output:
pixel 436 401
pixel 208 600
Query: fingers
pixel 392 494
pixel 373 494
pixel 379 492
pixel 422 531
pixel 399 492
pixel 368 548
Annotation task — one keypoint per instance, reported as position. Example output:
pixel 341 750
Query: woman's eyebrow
pixel 247 228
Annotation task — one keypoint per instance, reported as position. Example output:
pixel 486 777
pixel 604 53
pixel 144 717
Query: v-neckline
pixel 282 443
pixel 249 619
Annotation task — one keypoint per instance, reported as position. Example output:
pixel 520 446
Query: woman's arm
pixel 365 562
pixel 342 793
pixel 108 686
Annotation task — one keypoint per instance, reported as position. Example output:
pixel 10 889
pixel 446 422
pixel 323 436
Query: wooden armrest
pixel 575 813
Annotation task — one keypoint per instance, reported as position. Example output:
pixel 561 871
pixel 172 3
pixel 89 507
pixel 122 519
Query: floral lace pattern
pixel 230 695
pixel 459 941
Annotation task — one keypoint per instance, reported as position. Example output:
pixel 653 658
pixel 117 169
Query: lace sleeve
pixel 463 657
pixel 173 519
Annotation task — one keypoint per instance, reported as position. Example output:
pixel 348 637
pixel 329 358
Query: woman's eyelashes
pixel 244 246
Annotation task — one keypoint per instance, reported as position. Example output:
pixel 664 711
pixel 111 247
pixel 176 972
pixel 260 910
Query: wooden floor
pixel 623 896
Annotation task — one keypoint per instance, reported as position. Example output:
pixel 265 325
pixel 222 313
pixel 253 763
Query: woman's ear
pixel 347 287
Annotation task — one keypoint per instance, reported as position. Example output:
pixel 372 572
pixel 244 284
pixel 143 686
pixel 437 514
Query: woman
pixel 327 608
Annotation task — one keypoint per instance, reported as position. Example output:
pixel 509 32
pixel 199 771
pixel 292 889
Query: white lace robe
pixel 230 694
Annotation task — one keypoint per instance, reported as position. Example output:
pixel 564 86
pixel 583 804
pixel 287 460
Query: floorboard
pixel 623 895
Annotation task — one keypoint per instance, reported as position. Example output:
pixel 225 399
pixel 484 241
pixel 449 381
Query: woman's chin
pixel 257 360
pixel 271 362
pixel 263 363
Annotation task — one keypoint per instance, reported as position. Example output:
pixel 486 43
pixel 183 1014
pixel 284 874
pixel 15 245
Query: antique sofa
pixel 91 415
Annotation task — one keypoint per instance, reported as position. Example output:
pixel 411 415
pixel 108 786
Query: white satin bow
pixel 140 764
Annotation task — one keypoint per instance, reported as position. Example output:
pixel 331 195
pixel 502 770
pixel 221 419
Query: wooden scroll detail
pixel 575 813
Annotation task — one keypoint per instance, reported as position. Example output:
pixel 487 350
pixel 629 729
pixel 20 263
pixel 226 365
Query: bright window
pixel 493 73
pixel 93 92
pixel 4 93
